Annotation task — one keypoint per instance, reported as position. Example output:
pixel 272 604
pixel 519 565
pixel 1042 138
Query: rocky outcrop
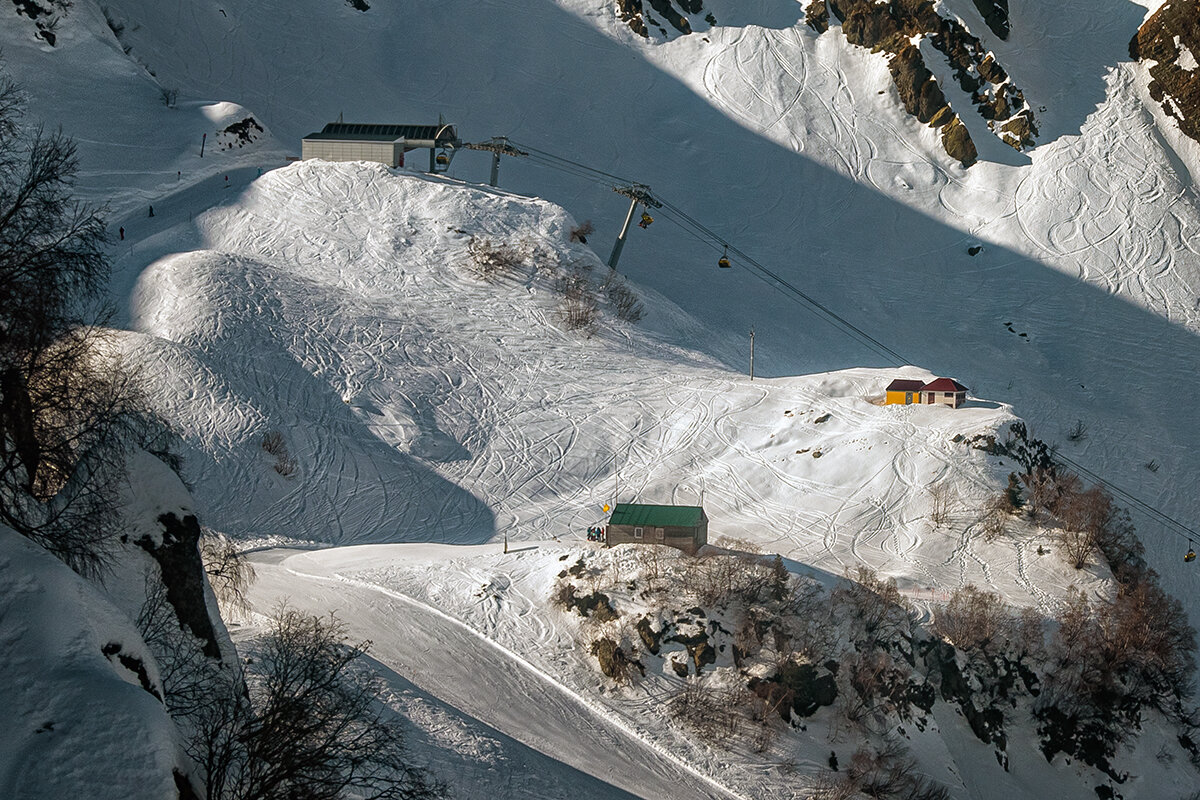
pixel 615 662
pixel 816 16
pixel 893 26
pixel 674 12
pixel 178 556
pixel 1170 43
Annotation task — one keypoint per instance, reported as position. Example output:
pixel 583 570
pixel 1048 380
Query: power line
pixel 704 234
pixel 1179 529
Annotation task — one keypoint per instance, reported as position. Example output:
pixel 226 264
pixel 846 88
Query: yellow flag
pixel 606 508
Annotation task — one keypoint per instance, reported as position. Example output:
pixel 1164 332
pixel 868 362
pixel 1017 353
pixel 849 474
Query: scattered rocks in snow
pixel 633 14
pixel 240 134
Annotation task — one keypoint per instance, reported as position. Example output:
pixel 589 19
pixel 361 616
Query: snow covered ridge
pixel 897 28
pixel 1168 42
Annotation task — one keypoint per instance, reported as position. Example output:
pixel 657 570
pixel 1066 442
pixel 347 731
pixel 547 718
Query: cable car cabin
pixel 443 160
pixel 646 220
pixel 723 263
pixel 1191 556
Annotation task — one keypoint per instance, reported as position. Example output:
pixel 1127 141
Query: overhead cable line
pixel 704 234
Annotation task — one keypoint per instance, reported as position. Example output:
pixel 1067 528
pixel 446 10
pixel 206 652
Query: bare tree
pixel 229 573
pixel 308 725
pixel 66 406
pixel 939 495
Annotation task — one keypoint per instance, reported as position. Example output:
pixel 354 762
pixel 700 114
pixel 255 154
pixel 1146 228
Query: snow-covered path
pixel 451 662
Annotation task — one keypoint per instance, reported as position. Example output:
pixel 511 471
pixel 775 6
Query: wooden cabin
pixel 682 527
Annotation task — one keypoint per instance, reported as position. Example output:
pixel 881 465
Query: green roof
pixel 657 516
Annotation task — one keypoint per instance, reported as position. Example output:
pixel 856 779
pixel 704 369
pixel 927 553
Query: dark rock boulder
pixel 650 637
pixel 673 17
pixel 957 141
pixel 615 662
pixel 919 92
pixel 816 16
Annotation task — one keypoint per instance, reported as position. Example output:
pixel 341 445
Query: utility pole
pixel 751 353
pixel 498 146
pixel 637 193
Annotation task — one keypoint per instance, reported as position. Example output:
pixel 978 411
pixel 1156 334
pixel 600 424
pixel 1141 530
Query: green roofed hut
pixel 682 527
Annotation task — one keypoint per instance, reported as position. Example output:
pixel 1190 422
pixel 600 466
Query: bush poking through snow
pixel 623 299
pixel 579 308
pixel 994 522
pixel 580 232
pixel 977 620
pixel 885 775
pixel 229 573
pixel 939 500
pixel 285 463
pixel 712 711
pixel 493 262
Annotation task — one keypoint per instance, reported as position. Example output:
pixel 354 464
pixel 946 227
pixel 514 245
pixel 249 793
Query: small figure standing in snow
pixel 152 211
pixel 226 181
pixel 178 174
pixel 121 231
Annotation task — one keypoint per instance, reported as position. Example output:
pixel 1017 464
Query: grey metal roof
pixel 352 131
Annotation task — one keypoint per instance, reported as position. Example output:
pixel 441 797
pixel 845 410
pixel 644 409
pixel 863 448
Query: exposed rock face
pixel 816 16
pixel 183 575
pixel 894 25
pixel 995 14
pixel 673 12
pixel 1171 39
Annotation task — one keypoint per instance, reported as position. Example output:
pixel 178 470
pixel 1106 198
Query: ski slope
pixel 335 304
pixel 790 144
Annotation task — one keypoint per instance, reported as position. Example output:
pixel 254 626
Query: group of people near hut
pixel 596 533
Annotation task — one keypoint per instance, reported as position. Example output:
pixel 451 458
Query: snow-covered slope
pixel 788 144
pixel 336 306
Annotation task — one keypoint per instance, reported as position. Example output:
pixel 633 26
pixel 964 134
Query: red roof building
pixel 939 391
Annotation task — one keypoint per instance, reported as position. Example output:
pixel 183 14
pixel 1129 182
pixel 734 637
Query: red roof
pixel 902 385
pixel 944 385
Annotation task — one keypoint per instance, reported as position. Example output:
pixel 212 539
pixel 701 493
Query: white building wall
pixel 389 153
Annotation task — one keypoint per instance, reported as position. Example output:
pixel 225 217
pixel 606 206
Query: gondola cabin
pixel 682 527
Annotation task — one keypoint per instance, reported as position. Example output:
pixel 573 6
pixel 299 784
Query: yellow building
pixel 903 392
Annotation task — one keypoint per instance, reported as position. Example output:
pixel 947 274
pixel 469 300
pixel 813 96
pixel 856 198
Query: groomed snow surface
pixel 336 306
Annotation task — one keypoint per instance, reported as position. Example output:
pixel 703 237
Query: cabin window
pixel 638 533
pixel 658 533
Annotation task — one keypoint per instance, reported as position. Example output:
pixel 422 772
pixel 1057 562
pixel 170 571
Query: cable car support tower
pixel 637 193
